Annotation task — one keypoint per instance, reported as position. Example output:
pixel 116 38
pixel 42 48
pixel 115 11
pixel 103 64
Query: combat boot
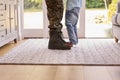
pixel 56 41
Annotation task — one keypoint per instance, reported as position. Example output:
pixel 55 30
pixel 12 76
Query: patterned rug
pixel 101 52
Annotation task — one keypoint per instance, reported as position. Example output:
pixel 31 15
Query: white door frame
pixel 81 30
pixel 20 19
pixel 44 31
pixel 30 32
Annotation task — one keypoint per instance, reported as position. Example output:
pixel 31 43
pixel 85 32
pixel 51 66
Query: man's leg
pixel 55 14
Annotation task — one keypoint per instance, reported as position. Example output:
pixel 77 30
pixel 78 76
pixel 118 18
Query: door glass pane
pixel 98 21
pixel 33 14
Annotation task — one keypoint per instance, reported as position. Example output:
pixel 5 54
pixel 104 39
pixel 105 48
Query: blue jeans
pixel 71 19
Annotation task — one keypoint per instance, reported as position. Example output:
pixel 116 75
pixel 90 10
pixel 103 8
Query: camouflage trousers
pixel 55 13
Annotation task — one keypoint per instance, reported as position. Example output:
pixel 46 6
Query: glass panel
pixel 97 19
pixel 33 14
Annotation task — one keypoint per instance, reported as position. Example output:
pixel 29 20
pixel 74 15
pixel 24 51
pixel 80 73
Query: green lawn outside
pixel 32 10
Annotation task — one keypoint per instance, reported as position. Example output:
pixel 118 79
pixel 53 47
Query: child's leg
pixel 71 19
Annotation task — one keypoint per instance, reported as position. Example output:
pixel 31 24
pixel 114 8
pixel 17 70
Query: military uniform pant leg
pixel 55 13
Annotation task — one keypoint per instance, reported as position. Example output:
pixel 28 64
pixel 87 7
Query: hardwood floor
pixel 42 72
pixel 32 72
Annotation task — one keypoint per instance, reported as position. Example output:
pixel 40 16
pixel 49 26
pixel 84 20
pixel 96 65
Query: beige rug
pixel 100 52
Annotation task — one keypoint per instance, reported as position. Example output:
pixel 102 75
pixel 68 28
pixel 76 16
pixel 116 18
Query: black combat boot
pixel 56 41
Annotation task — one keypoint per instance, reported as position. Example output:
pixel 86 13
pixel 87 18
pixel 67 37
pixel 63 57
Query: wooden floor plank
pixel 114 72
pixel 69 73
pixel 13 72
pixel 30 72
pixel 96 73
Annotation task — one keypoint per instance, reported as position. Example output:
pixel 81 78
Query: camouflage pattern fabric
pixel 54 13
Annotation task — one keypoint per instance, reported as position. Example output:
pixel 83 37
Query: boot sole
pixel 58 48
